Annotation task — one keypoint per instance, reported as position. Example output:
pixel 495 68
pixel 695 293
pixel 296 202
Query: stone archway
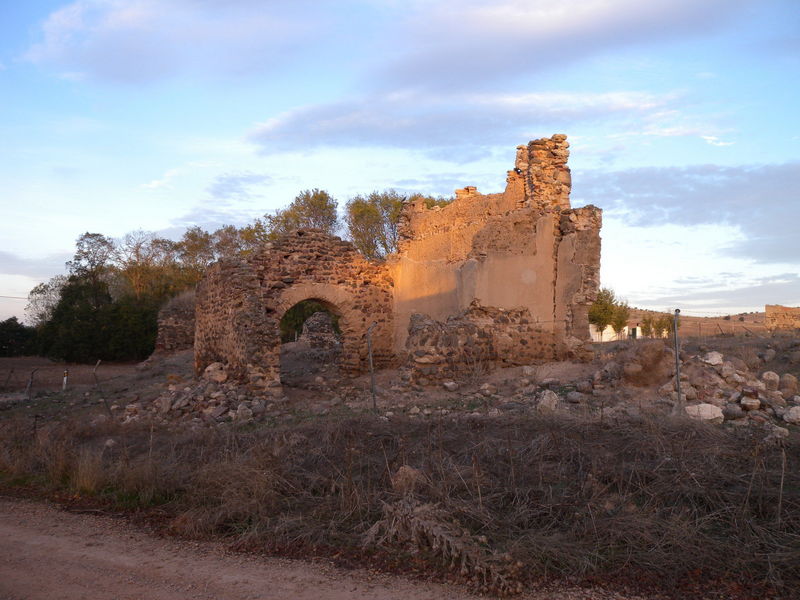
pixel 240 305
pixel 353 321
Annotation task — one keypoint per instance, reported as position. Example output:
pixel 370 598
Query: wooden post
pixel 97 385
pixel 371 369
pixel 679 404
pixel 29 389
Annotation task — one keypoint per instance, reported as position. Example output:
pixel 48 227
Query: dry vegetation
pixel 498 502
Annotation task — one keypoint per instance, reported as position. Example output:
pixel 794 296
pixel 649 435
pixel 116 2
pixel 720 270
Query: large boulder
pixel 216 372
pixel 705 412
pixel 792 415
pixel 771 380
pixel 713 358
pixel 647 363
pixel 788 385
pixel 548 402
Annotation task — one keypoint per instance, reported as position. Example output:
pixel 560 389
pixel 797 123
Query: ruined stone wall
pixel 176 324
pixel 318 332
pixel 240 305
pixel 473 342
pixel 506 276
pixel 523 248
pixel 782 317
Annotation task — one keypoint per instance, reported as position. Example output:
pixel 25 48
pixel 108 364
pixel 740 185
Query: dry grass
pixel 672 499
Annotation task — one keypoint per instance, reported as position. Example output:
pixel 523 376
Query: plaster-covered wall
pixel 523 248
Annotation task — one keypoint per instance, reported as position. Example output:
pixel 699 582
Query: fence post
pixel 29 389
pixel 371 369
pixel 679 404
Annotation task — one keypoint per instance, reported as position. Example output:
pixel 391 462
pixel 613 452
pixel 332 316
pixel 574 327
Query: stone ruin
pixel 779 317
pixel 502 278
pixel 176 324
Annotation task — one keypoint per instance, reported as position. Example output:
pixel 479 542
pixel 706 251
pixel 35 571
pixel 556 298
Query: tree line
pixel 106 305
pixel 607 310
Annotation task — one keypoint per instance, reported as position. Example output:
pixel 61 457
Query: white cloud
pixel 137 41
pixel 237 185
pixel 35 268
pixel 435 122
pixel 762 201
pixel 715 141
pixel 460 44
pixel 164 181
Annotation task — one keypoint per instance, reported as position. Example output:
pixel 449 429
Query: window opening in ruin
pixel 311 343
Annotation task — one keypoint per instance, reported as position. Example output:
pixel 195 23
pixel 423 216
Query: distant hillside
pixel 737 324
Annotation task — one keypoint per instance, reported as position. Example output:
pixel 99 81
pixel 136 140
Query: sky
pixel 682 115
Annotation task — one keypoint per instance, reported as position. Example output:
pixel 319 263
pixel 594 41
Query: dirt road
pixel 46 552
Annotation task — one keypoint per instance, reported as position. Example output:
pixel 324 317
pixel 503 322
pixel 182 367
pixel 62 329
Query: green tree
pixel 620 316
pixel 647 326
pixel 311 209
pixel 16 339
pixel 431 201
pixel 662 323
pixel 92 260
pixel 196 251
pixel 601 312
pixel 76 330
pixel 43 298
pixel 372 222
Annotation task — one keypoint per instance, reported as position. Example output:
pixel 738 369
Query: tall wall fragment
pixel 525 248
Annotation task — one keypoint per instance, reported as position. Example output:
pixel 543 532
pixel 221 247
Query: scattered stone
pixel 450 386
pixel 788 385
pixel 792 415
pixel 733 411
pixel 548 402
pixel 713 358
pixel 219 412
pixel 776 433
pixel 488 389
pixel 216 372
pixel 705 412
pixel 750 403
pixel 771 380
pixel 575 397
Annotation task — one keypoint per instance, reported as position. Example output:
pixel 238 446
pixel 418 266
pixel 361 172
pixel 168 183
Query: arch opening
pixel 311 343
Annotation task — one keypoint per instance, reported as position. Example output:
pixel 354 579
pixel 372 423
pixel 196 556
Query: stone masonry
pixel 240 305
pixel 782 317
pixel 472 343
pixel 176 324
pixel 507 277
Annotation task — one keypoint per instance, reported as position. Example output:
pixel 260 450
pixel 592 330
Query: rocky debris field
pixel 728 382
pixel 625 380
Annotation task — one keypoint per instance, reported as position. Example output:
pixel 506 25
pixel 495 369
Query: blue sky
pixel 118 115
